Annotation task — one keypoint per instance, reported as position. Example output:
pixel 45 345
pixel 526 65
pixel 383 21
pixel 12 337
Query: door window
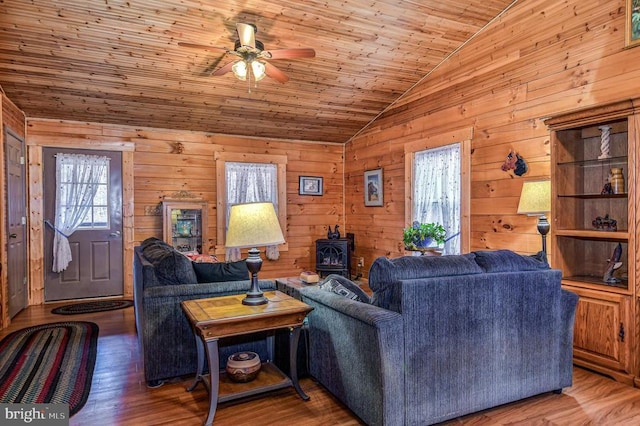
pixel 96 198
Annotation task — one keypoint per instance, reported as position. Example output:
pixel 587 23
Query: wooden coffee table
pixel 219 317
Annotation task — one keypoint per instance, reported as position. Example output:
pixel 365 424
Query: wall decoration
pixel 310 185
pixel 516 163
pixel 632 34
pixel 373 188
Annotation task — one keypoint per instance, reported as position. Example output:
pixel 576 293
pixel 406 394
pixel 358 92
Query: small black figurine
pixel 333 235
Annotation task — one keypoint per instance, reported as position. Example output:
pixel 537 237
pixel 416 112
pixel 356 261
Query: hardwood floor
pixel 119 395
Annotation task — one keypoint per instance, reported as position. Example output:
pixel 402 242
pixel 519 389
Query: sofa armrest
pixel 169 348
pixel 357 352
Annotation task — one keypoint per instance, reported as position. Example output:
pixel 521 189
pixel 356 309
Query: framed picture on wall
pixel 632 34
pixel 310 185
pixel 373 188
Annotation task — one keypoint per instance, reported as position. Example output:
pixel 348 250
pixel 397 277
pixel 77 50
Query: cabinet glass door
pixel 185 225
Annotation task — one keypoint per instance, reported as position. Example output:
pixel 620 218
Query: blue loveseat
pixel 443 337
pixel 163 278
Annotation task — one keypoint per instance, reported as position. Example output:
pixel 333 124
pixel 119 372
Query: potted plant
pixel 421 235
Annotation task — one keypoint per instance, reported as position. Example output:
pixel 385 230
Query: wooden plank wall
pixel 168 161
pixel 541 58
pixel 13 118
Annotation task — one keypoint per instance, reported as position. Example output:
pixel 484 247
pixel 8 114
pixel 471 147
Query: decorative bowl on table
pixel 243 367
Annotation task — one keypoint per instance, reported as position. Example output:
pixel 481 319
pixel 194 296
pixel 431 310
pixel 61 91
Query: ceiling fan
pixel 253 58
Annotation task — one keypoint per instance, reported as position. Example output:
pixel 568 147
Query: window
pixel 436 191
pixel 243 181
pixel 438 186
pixel 249 183
pixel 85 189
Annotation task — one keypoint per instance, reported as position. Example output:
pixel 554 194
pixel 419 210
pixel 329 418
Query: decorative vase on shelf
pixel 617 180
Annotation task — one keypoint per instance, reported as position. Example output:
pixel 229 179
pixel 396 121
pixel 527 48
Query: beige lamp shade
pixel 253 225
pixel 535 197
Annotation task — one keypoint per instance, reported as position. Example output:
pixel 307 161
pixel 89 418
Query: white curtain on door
pixel 436 191
pixel 77 177
pixel 250 183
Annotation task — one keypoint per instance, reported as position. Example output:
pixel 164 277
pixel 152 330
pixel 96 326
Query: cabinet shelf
pixel 596 283
pixel 593 196
pixel 593 234
pixel 596 162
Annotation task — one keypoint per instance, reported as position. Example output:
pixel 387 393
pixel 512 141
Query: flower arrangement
pixel 422 234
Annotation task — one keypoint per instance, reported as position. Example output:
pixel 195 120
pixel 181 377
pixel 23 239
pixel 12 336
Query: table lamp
pixel 252 225
pixel 535 200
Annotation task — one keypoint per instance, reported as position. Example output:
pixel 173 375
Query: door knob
pixel 13 235
pixel 115 234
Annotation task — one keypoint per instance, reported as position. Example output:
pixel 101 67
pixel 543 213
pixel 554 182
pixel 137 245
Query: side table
pixel 218 317
pixel 291 286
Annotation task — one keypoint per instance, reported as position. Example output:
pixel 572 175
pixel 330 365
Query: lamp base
pixel 254 300
pixel 543 229
pixel 254 296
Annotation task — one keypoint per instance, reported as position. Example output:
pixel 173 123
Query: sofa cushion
pixel 384 270
pixel 171 267
pixel 385 273
pixel 221 271
pixel 508 261
pixel 340 285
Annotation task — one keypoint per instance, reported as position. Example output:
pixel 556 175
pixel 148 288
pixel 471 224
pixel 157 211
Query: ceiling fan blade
pixel 224 69
pixel 273 72
pixel 289 53
pixel 202 46
pixel 246 34
pixel 212 67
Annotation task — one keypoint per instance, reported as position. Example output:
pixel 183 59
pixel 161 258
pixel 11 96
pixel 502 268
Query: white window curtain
pixel 436 191
pixel 250 183
pixel 77 178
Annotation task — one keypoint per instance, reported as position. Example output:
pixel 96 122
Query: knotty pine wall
pixel 541 58
pixel 162 167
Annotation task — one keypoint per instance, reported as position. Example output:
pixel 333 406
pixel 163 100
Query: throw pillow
pixel 221 271
pixel 344 287
pixel 171 267
pixel 508 261
pixel 203 258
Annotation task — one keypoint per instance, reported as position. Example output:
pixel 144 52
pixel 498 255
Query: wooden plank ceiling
pixel 118 61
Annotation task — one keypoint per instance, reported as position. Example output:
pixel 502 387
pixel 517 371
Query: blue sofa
pixel 443 336
pixel 163 278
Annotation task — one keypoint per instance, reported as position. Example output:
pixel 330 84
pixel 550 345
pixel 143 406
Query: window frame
pixel 221 158
pixel 463 137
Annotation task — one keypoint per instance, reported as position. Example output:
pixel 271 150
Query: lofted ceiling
pixel 118 61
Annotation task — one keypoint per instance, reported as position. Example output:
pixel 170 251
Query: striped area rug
pixel 49 363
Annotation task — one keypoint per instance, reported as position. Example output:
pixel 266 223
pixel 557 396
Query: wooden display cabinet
pixel 583 190
pixel 185 223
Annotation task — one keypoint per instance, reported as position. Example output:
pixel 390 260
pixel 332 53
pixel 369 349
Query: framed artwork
pixel 632 35
pixel 373 188
pixel 310 185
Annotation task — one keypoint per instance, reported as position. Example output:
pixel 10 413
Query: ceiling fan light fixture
pixel 258 70
pixel 240 70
